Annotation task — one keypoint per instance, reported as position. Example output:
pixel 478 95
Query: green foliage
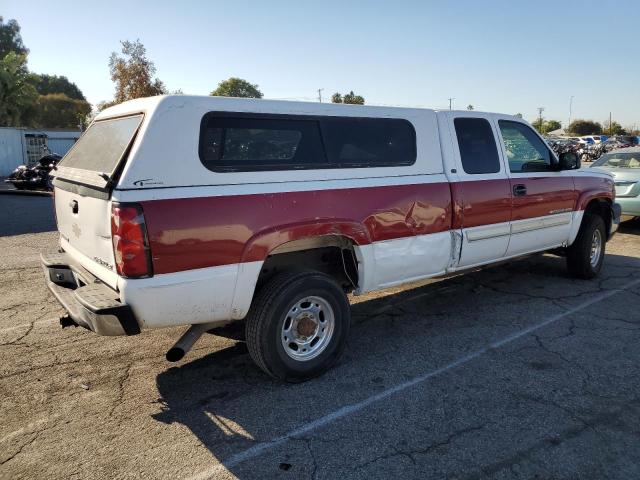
pixel 48 84
pixel 349 98
pixel 17 95
pixel 613 129
pixel 585 127
pixel 10 39
pixel 551 125
pixel 518 115
pixel 236 87
pixel 133 73
pixel 469 107
pixel 546 126
pixel 57 110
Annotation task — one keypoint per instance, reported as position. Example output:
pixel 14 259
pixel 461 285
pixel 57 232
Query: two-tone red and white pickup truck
pixel 201 211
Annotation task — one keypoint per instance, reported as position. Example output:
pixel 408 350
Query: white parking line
pixel 347 410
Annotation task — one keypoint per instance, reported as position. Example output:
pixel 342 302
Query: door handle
pixel 519 190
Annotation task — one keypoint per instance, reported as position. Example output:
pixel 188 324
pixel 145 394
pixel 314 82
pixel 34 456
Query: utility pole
pixel 610 125
pixel 320 94
pixel 450 102
pixel 540 110
pixel 570 107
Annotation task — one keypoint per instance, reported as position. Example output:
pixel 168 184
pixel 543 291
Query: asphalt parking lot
pixel 515 371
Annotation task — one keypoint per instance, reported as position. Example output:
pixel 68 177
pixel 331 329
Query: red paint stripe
pixel 209 231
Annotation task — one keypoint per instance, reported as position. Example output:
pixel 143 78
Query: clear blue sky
pixel 505 56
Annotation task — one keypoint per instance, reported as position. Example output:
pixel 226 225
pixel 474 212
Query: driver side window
pixel 526 152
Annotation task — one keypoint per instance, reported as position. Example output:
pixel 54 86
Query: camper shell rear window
pixel 237 142
pixel 95 157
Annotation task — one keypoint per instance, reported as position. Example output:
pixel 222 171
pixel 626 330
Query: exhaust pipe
pixel 187 340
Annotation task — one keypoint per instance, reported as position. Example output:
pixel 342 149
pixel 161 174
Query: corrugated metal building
pixel 24 146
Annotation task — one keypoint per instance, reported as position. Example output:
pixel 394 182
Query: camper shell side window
pixel 241 142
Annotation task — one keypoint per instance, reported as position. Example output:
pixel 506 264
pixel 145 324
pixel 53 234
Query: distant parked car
pixel 631 140
pixel 624 164
pixel 593 138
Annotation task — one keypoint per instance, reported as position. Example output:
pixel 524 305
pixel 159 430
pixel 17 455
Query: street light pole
pixel 450 102
pixel 320 94
pixel 570 108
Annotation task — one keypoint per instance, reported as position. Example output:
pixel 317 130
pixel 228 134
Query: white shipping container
pixel 13 145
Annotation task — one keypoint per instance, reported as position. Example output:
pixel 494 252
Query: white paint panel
pixel 484 243
pixel 191 297
pixel 88 231
pixel 108 276
pixel 271 187
pixel 408 259
pixel 575 225
pixel 539 233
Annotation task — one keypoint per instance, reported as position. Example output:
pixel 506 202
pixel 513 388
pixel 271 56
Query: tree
pixel 518 115
pixel 57 110
pixel 539 125
pixel 613 129
pixel 552 125
pixel 48 84
pixel 236 87
pixel 348 98
pixel 469 107
pixel 133 73
pixel 10 39
pixel 17 95
pixel 585 127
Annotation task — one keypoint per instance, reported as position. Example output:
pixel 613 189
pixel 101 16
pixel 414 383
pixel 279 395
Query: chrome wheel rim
pixel 596 248
pixel 307 328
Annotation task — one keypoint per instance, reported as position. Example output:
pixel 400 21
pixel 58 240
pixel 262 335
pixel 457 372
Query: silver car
pixel 624 164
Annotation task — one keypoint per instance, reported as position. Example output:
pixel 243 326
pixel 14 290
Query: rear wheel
pixel 586 255
pixel 297 326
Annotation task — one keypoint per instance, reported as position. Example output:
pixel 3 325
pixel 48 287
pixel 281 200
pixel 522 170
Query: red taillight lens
pixel 130 243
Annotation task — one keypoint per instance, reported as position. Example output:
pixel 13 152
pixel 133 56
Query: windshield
pixel 619 160
pixel 101 147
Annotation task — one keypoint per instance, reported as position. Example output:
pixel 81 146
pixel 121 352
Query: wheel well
pixel 330 254
pixel 601 207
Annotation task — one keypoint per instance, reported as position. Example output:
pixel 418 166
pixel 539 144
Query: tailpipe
pixel 187 340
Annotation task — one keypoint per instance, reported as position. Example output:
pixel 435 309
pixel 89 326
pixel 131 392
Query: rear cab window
pixel 477 144
pixel 96 156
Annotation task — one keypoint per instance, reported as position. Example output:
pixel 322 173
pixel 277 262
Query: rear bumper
pixel 90 303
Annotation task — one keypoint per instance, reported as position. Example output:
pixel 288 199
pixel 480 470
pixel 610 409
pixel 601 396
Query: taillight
pixel 130 242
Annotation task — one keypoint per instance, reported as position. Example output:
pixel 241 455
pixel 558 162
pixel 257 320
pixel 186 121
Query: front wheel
pixel 298 325
pixel 586 255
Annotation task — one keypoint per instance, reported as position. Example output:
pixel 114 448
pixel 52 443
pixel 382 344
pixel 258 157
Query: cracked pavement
pixel 562 401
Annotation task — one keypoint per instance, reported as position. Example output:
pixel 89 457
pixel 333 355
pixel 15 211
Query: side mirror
pixel 568 161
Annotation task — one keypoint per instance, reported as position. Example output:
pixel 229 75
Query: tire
pixel 586 255
pixel 273 327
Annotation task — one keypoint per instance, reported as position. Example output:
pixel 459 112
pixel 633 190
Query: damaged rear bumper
pixel 90 303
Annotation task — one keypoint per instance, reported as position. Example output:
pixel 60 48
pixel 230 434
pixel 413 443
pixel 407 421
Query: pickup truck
pixel 203 211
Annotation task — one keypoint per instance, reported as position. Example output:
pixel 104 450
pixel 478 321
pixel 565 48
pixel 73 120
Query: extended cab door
pixel 543 197
pixel 480 189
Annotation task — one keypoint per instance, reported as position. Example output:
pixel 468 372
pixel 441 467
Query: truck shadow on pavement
pixel 24 214
pixel 231 406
